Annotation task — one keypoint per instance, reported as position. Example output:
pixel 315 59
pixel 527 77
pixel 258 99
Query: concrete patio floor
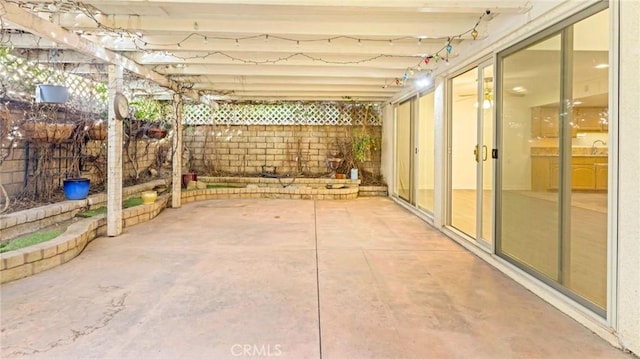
pixel 283 278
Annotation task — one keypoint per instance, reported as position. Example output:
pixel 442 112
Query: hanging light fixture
pixel 488 99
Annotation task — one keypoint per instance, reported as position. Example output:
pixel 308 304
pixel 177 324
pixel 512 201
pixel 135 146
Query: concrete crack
pixel 115 306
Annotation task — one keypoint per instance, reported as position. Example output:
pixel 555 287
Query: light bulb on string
pixel 390 42
pixel 359 42
pixel 426 60
pixel 474 33
pixel 237 43
pixel 410 72
pixel 449 48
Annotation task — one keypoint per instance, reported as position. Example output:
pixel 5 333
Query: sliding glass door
pixel 553 175
pixel 415 161
pixel 470 163
pixel 404 158
pixel 426 153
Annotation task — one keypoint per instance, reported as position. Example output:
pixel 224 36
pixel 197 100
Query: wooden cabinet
pixel 541 175
pixel 583 177
pixel 602 176
pixel 545 121
pixel 591 119
pixel 587 173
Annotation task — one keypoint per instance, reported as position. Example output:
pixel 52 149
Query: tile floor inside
pixel 284 278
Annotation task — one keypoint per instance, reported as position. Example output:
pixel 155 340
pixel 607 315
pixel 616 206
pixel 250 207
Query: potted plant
pixel 362 144
pixel 97 130
pixel 151 114
pixel 43 125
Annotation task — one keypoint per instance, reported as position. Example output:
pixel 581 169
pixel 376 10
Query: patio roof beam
pixel 47 30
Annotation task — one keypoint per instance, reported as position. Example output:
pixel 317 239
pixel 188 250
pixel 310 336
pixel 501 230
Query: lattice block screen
pixel 288 113
pixel 19 77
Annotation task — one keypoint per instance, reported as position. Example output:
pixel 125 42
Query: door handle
pixel 484 153
pixel 476 154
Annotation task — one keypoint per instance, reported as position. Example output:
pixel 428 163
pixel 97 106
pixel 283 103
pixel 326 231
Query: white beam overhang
pixel 52 32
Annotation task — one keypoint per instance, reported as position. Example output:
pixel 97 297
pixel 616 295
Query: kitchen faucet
pixel 594 150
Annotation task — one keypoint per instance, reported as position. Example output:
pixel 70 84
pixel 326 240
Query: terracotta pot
pixel 340 176
pixel 188 177
pixel 156 133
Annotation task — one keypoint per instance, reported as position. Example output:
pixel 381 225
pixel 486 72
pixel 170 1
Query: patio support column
pixel 114 156
pixel 176 175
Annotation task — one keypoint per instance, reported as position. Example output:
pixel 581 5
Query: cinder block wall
pixel 243 150
pixel 12 168
pixel 142 152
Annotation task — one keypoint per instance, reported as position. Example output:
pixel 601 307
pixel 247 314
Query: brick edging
pixel 43 256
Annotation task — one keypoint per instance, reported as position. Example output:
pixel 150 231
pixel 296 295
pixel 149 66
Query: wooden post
pixel 114 156
pixel 176 175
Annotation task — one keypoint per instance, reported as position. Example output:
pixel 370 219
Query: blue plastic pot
pixel 76 188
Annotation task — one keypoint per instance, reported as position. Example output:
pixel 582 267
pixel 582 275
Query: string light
pixel 286 58
pixel 142 44
pixel 447 48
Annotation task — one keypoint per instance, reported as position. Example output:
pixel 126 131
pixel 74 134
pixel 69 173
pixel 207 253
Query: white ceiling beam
pixel 312 94
pixel 280 70
pixel 62 56
pixel 276 80
pixel 437 6
pixel 300 87
pixel 436 27
pixel 196 45
pixel 34 24
pixel 336 98
pixel 296 60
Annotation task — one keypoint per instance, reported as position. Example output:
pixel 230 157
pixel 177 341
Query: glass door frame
pixel 562 29
pixel 477 67
pixel 412 158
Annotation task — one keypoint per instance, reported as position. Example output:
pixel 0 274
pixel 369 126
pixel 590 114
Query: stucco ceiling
pixel 262 50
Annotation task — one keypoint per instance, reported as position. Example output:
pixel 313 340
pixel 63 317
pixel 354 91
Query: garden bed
pixel 40 257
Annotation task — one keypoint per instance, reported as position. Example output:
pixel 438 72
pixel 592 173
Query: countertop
pixel 575 151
